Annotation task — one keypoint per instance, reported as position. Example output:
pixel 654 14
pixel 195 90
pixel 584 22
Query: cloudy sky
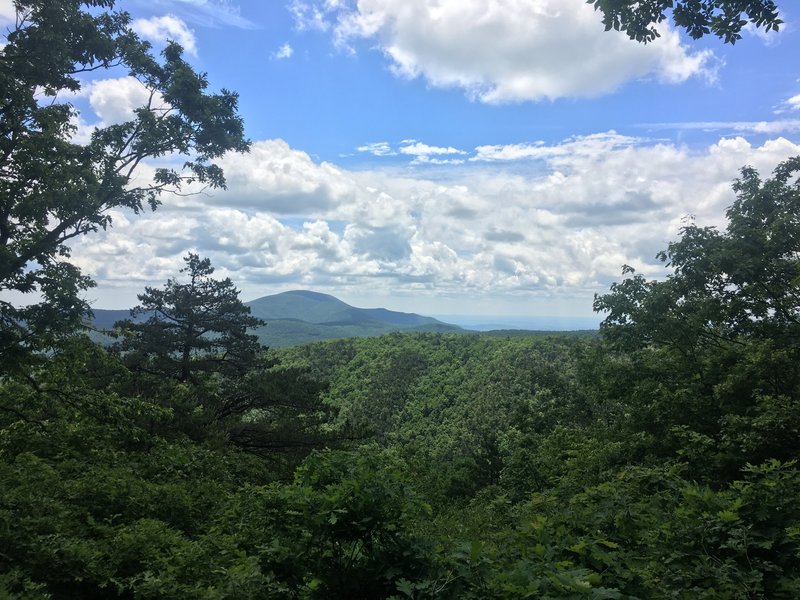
pixel 491 157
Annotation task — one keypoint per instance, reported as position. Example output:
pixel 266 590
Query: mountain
pixel 105 319
pixel 303 316
pixel 323 309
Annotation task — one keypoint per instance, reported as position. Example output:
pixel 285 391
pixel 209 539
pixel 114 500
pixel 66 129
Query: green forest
pixel 186 460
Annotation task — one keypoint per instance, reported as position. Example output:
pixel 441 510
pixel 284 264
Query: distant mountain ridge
pixel 303 316
pixel 324 309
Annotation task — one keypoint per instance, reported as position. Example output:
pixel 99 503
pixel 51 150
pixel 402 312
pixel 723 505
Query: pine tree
pixel 200 325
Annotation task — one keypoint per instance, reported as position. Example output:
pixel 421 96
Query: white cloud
pixel 276 178
pixel 555 225
pixel 7 11
pixel 422 153
pixel 114 100
pixel 82 133
pixel 284 52
pixel 310 16
pixel 769 38
pixel 788 105
pixel 578 146
pixel 425 154
pixel 505 50
pixel 165 29
pixel 377 149
pixel 511 151
pixel 420 149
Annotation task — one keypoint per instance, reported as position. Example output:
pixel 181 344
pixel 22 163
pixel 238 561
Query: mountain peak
pixel 315 307
pixel 310 295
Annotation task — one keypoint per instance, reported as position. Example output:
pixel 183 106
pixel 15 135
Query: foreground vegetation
pixel 658 461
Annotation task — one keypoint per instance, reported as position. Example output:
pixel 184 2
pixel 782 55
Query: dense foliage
pixel 469 467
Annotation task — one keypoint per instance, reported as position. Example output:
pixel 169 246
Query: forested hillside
pixel 657 460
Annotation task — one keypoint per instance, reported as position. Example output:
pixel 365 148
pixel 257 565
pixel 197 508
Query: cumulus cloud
pixel 505 50
pixel 284 52
pixel 114 100
pixel 167 28
pixel 541 220
pixel 386 243
pixel 276 178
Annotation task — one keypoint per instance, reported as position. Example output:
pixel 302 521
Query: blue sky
pixel 495 157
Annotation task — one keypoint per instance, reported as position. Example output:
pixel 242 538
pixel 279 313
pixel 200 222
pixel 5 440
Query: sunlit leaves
pixel 722 18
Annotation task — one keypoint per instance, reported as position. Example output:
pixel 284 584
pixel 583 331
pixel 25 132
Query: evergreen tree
pixel 200 325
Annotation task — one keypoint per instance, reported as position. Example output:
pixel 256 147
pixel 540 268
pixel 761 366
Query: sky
pixel 447 157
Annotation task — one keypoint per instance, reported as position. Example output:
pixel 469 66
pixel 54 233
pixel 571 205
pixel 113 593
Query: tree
pixel 712 351
pixel 53 189
pixel 187 346
pixel 200 325
pixel 722 18
pixel 743 282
